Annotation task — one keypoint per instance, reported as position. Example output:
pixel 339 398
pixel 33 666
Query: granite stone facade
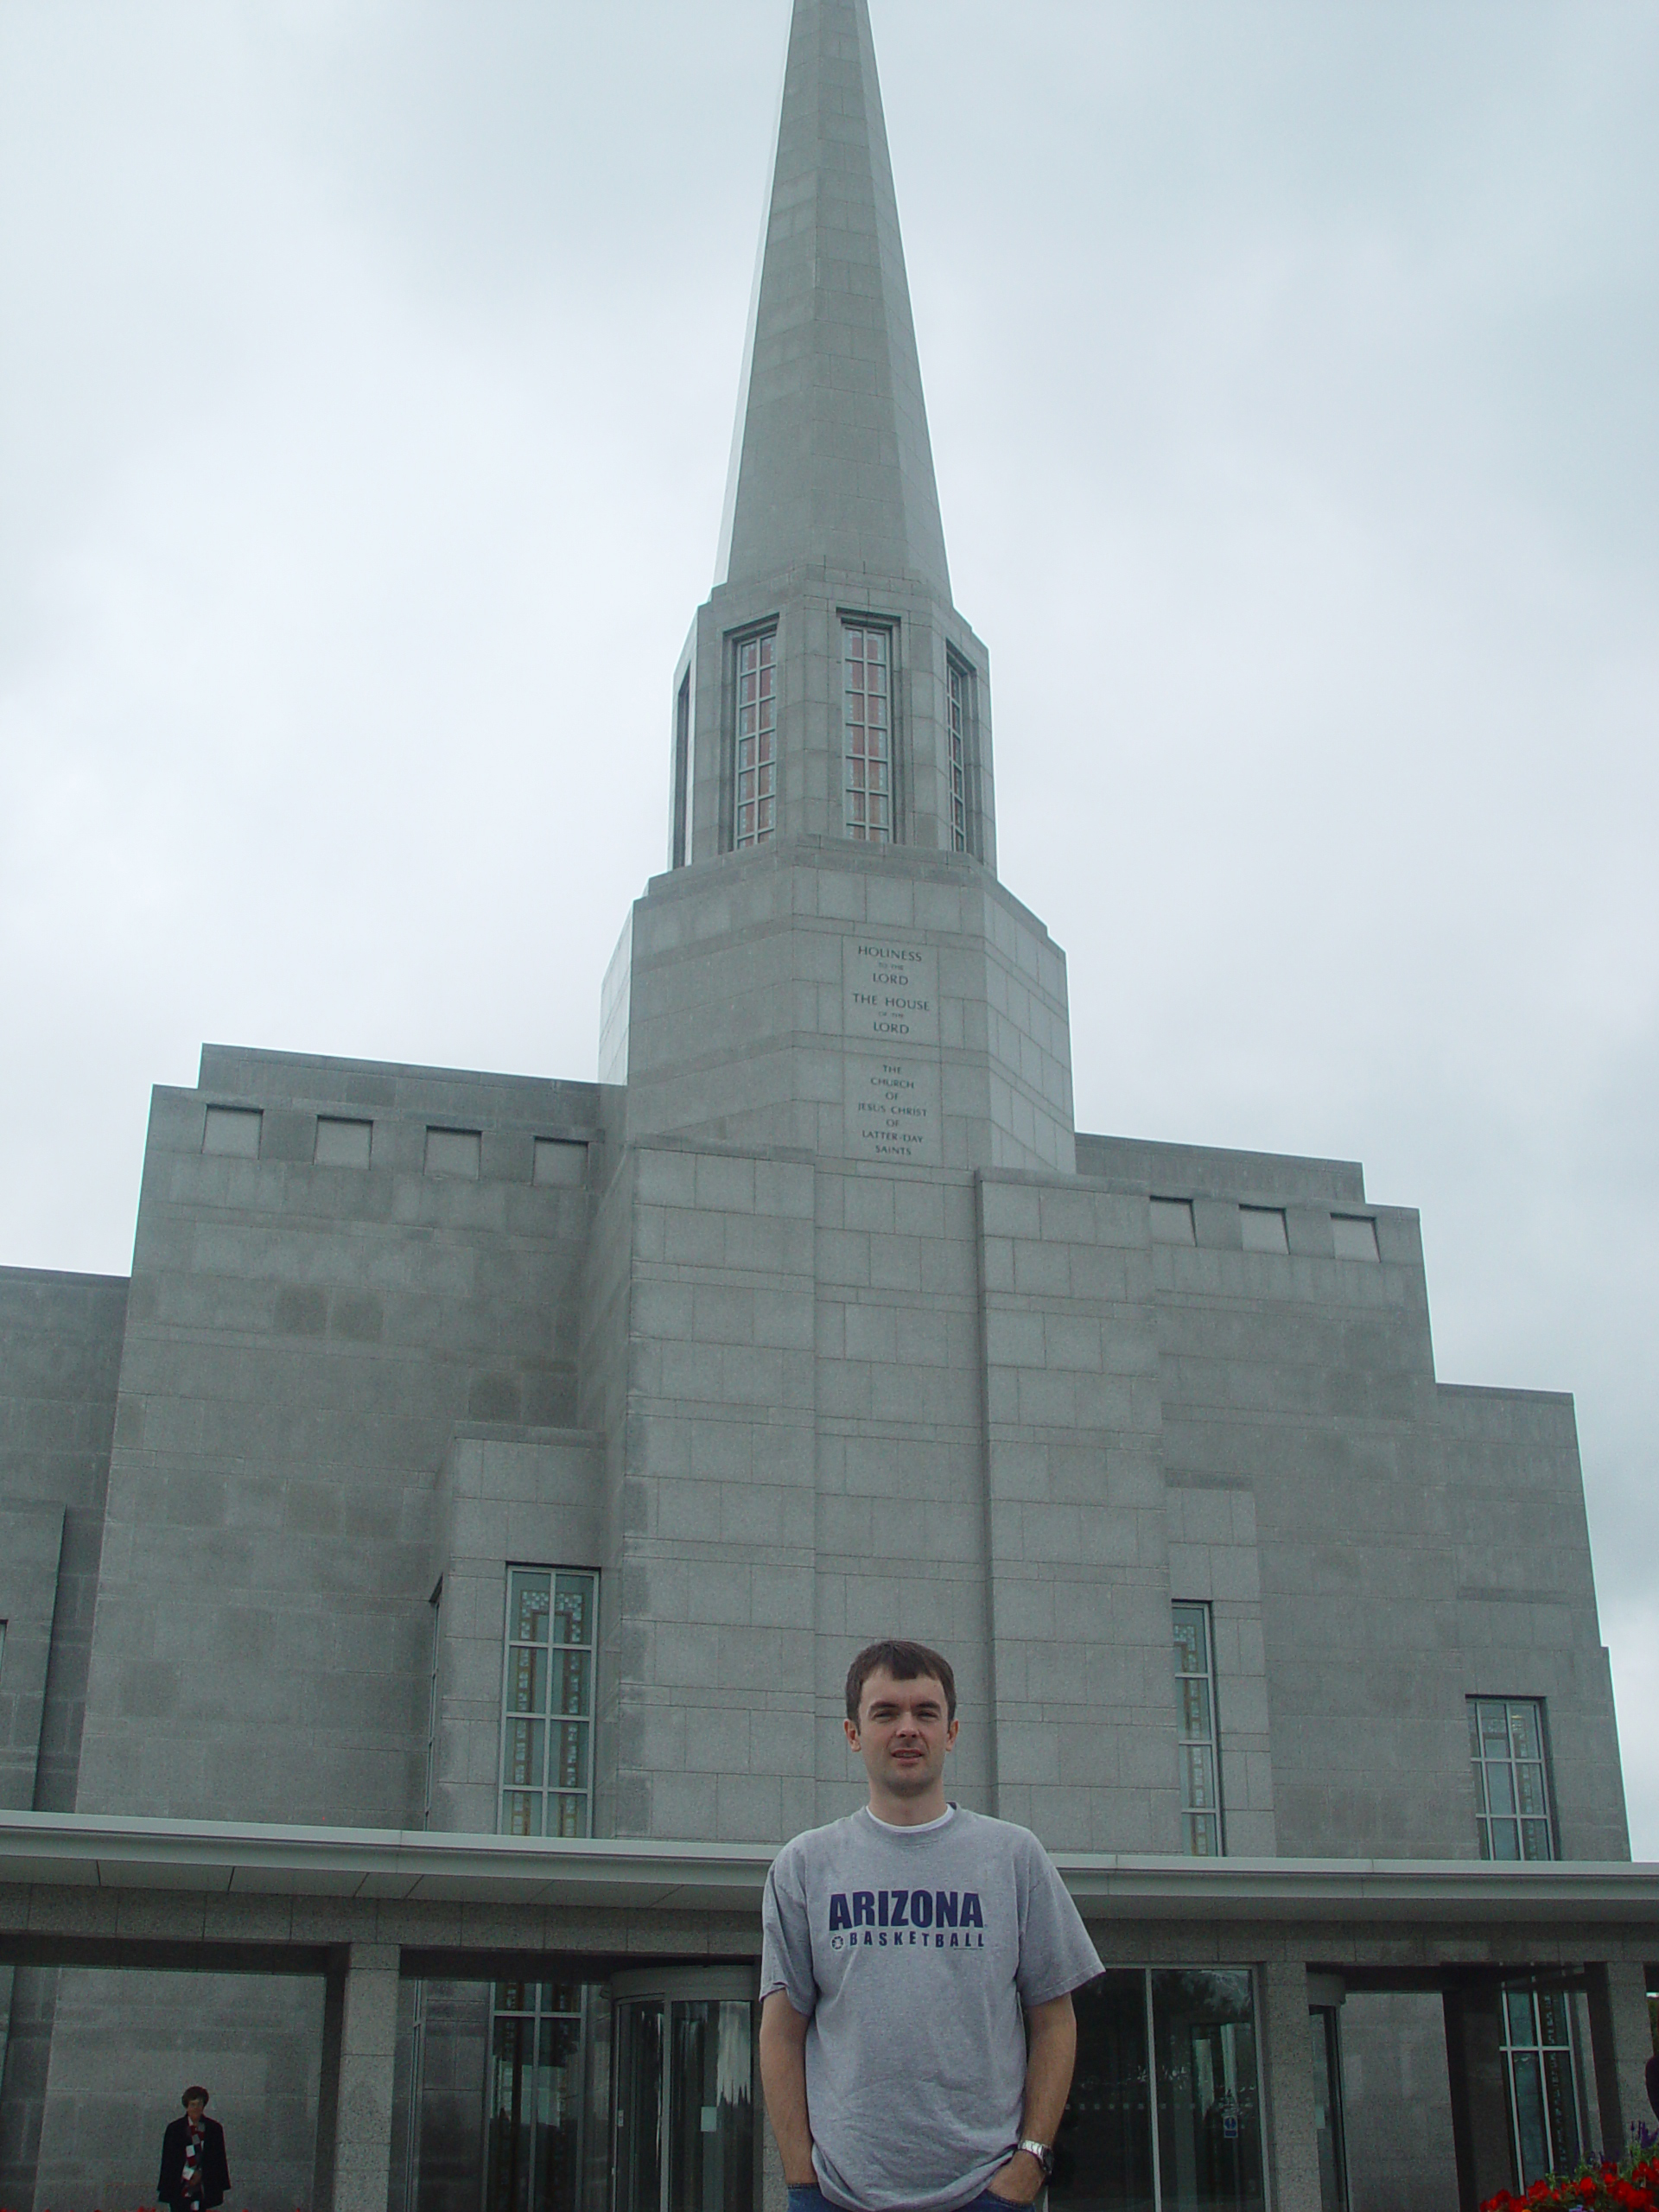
pixel 817 1320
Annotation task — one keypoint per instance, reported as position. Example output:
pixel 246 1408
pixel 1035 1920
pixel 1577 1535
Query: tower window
pixel 1195 1707
pixel 867 661
pixel 682 768
pixel 548 1703
pixel 959 679
pixel 1506 1746
pixel 756 815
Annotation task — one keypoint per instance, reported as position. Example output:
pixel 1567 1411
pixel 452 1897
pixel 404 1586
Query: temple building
pixel 429 1580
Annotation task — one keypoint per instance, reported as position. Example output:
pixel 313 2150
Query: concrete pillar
pixel 1621 2041
pixel 1287 2086
pixel 354 2102
pixel 1480 2109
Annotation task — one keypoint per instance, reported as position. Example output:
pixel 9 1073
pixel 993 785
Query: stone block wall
pixel 762 1010
pixel 302 1339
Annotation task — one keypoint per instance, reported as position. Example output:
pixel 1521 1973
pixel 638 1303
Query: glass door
pixel 685 2092
pixel 536 2108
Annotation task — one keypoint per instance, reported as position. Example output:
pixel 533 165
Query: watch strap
pixel 1041 2151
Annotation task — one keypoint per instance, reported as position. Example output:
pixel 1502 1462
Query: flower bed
pixel 1632 2185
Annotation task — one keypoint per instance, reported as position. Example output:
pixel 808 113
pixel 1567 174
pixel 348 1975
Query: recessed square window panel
pixel 1263 1228
pixel 233 1131
pixel 1172 1221
pixel 561 1161
pixel 453 1152
pixel 341 1143
pixel 1355 1236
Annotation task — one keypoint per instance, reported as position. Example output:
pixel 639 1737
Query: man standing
pixel 917 2035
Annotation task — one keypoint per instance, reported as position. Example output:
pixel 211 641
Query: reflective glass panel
pixel 1102 2154
pixel 536 2149
pixel 1541 2074
pixel 1531 2133
pixel 711 2105
pixel 1209 2106
pixel 639 2106
pixel 1322 2024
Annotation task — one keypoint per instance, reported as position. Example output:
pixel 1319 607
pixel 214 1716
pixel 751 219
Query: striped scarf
pixel 190 2175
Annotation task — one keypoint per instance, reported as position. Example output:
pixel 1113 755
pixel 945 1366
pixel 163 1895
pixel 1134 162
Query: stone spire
pixel 830 460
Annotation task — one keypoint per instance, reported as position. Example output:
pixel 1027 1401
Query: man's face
pixel 195 2108
pixel 903 1732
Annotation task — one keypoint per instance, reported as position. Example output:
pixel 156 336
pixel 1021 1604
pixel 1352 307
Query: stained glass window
pixel 1195 1707
pixel 867 661
pixel 547 1702
pixel 1506 1746
pixel 959 686
pixel 757 740
pixel 1541 2077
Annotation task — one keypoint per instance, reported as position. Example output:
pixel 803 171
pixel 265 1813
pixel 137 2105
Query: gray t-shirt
pixel 912 1951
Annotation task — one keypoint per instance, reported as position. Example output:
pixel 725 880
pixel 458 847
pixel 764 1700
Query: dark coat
pixel 215 2174
pixel 1653 2082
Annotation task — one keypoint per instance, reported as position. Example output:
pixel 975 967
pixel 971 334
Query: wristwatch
pixel 1042 2153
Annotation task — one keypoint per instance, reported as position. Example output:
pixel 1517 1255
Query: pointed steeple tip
pixel 831 461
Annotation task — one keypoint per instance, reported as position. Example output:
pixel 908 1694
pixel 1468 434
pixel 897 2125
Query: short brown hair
pixel 194 2091
pixel 905 1663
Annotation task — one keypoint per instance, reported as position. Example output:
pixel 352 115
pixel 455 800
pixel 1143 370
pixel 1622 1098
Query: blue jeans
pixel 807 2196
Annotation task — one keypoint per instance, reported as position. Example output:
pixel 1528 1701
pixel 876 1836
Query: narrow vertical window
pixel 757 740
pixel 539 2096
pixel 432 1712
pixel 547 1702
pixel 1195 1704
pixel 682 768
pixel 1506 1747
pixel 867 666
pixel 1324 2025
pixel 959 679
pixel 1541 2079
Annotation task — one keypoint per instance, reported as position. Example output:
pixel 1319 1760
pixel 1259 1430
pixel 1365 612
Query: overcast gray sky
pixel 368 372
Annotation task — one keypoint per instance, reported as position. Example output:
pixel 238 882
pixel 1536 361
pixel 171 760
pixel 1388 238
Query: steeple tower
pixel 830 460
pixel 829 963
pixel 831 545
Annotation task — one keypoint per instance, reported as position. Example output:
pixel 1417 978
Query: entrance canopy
pixel 364 1909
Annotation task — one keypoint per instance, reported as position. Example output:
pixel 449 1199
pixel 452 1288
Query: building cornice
pixel 224 1857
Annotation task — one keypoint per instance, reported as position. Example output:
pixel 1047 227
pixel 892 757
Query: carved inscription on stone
pixel 892 1109
pixel 891 988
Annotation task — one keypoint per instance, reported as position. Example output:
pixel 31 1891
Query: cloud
pixel 368 379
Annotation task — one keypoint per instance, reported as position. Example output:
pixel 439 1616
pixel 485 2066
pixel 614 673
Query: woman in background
pixel 195 2176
